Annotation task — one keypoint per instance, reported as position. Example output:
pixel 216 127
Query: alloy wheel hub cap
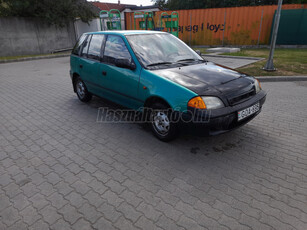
pixel 81 89
pixel 161 122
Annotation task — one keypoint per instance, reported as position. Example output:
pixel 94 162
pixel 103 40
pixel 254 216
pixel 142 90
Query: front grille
pixel 242 97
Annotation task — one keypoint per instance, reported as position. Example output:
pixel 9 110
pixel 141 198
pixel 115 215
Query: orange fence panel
pixel 223 26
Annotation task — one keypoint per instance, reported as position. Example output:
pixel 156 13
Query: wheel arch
pixel 153 99
pixel 74 78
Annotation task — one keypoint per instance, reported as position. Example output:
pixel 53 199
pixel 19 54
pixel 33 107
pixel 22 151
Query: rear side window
pixel 94 49
pixel 85 46
pixel 78 45
pixel 115 48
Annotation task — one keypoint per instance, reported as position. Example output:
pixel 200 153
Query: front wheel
pixel 161 122
pixel 81 91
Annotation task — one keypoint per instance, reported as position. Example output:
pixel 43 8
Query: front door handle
pixel 81 66
pixel 104 73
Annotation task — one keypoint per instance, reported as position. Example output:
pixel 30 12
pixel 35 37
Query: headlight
pixel 257 86
pixel 205 103
pixel 213 102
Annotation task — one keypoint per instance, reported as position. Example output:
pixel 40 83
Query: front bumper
pixel 220 120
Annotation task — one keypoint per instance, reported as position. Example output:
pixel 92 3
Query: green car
pixel 158 74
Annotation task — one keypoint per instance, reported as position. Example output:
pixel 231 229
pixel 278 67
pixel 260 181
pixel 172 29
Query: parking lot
pixel 60 169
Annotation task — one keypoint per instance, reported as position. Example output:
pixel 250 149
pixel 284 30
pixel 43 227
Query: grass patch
pixel 288 62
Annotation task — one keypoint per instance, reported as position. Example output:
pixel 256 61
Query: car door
pixel 75 55
pixel 121 83
pixel 90 62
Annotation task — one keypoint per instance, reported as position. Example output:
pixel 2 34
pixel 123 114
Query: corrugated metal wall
pixel 244 25
pixel 292 27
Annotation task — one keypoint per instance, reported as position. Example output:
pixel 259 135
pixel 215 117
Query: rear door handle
pixel 104 73
pixel 81 66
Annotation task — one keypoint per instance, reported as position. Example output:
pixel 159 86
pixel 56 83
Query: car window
pixel 94 49
pixel 85 46
pixel 78 45
pixel 159 48
pixel 115 48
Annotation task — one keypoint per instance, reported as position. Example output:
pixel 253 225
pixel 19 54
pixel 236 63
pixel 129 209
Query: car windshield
pixel 165 50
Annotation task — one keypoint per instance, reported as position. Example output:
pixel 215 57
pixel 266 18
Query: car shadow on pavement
pixel 188 142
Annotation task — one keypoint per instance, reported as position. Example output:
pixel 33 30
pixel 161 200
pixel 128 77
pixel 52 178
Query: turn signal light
pixel 259 83
pixel 197 102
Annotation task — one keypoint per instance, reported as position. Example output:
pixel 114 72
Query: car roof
pixel 126 32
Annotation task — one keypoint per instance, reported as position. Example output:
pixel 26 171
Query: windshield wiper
pixel 191 59
pixel 160 63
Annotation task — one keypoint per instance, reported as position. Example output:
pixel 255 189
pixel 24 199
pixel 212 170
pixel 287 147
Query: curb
pixel 33 58
pixel 235 57
pixel 260 78
pixel 281 78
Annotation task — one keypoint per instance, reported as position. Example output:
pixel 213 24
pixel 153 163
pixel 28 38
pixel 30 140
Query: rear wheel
pixel 81 91
pixel 161 122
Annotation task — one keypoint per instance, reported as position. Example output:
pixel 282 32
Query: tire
pixel 81 91
pixel 161 123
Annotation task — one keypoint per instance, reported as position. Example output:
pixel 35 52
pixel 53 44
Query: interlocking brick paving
pixel 60 169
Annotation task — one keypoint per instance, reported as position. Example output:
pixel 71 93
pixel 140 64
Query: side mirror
pixel 132 66
pixel 198 52
pixel 125 63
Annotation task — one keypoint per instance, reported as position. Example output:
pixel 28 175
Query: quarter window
pixel 78 45
pixel 85 47
pixel 115 48
pixel 95 46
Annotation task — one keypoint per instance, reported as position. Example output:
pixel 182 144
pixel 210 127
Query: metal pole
pixel 190 30
pixel 260 28
pixel 224 28
pixel 269 66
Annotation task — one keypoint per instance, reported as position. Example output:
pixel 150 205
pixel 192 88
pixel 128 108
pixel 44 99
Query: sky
pixel 133 2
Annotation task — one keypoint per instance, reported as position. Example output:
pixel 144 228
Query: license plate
pixel 248 111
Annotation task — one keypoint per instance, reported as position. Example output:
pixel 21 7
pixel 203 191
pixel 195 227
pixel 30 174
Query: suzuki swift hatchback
pixel 158 73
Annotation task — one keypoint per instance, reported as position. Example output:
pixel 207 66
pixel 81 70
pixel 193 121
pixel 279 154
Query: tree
pixel 160 3
pixel 57 12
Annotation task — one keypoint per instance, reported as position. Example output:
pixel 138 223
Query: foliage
pixel 160 3
pixel 202 4
pixel 57 12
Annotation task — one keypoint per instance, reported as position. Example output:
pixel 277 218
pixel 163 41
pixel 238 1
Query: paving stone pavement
pixel 59 169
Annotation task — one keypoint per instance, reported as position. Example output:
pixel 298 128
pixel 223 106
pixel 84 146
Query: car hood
pixel 207 78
